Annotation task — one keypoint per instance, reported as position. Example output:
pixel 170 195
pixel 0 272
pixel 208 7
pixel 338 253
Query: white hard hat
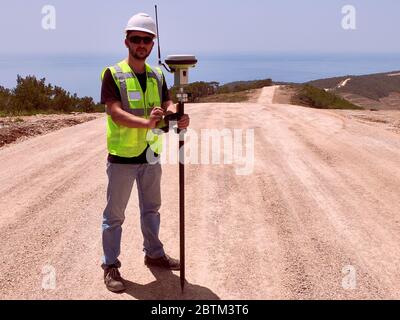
pixel 142 22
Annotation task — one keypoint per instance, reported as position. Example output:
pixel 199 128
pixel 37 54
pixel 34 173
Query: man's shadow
pixel 167 286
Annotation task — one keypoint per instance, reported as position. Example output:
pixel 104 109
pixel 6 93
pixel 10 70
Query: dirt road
pixel 318 218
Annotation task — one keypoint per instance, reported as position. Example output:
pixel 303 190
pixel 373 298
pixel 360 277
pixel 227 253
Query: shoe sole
pixel 115 290
pixel 161 267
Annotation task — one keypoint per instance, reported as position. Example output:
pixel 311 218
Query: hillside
pixel 379 91
pixel 313 97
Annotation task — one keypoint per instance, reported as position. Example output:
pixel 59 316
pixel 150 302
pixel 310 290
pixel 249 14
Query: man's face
pixel 139 44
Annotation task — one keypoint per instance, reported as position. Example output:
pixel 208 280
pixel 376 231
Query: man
pixel 136 99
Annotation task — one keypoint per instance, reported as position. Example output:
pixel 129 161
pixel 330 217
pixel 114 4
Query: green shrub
pixel 196 90
pixel 212 91
pixel 32 96
pixel 5 98
pixel 244 86
pixel 318 98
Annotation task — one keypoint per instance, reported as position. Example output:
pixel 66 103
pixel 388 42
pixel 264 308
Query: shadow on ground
pixel 167 286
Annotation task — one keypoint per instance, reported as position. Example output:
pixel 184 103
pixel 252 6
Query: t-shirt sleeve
pixel 109 89
pixel 165 92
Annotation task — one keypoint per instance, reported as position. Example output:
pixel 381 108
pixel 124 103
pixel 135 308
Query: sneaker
pixel 165 262
pixel 113 280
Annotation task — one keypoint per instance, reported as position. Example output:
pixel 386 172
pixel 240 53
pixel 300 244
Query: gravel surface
pixel 319 218
pixel 16 129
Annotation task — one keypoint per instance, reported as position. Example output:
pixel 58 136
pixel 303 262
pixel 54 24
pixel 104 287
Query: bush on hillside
pixel 32 96
pixel 317 98
pixel 199 90
pixel 244 86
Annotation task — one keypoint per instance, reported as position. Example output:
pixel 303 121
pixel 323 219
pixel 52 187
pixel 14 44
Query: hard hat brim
pixel 142 30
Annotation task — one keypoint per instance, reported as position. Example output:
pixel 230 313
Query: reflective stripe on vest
pixel 139 112
pixel 131 142
pixel 122 77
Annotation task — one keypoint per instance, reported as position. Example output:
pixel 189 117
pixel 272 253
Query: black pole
pixel 158 38
pixel 181 111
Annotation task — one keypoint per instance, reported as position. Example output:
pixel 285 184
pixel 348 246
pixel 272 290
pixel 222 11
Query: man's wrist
pixel 150 124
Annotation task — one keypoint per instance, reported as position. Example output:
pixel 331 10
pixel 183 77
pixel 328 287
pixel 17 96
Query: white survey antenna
pixel 179 65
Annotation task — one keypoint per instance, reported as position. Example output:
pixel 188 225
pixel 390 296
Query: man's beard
pixel 138 57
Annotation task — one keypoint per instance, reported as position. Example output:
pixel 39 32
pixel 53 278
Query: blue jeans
pixel 121 178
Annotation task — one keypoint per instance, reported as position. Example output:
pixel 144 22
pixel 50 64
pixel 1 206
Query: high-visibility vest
pixel 132 142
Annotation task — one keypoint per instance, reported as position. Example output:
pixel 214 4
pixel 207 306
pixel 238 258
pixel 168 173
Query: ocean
pixel 81 73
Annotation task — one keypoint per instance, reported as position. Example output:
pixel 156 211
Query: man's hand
pixel 184 122
pixel 171 108
pixel 155 116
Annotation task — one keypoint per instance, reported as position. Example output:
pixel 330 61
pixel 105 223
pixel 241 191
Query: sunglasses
pixel 138 40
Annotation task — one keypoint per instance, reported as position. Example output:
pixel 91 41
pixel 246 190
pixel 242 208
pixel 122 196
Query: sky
pixel 203 27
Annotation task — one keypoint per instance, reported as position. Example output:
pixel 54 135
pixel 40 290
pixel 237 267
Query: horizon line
pixel 77 53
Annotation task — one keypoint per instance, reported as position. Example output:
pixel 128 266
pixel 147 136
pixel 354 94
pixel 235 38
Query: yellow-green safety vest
pixel 132 142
